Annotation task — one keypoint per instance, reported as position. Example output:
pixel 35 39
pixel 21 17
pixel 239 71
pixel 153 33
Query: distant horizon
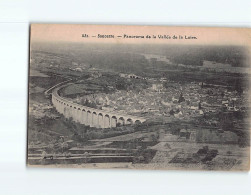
pixel 236 56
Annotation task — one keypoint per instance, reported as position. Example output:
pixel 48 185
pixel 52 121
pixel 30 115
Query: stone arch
pixel 129 121
pixel 83 117
pixel 67 112
pixel 89 118
pixel 78 115
pixel 61 108
pixel 137 122
pixel 95 119
pixel 100 120
pixel 75 114
pixel 113 121
pixel 106 121
pixel 121 121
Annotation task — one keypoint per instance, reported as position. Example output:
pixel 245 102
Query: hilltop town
pixel 166 98
pixel 204 110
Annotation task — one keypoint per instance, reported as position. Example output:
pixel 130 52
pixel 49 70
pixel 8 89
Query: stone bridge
pixel 90 116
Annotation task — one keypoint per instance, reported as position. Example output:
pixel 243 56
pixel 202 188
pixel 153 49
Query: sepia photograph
pixel 139 97
pixel 125 97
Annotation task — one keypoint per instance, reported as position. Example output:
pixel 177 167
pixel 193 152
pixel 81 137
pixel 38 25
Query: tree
pixel 121 85
pixel 63 146
pixel 171 112
pixel 202 85
pixel 199 105
pixel 238 86
pixel 181 98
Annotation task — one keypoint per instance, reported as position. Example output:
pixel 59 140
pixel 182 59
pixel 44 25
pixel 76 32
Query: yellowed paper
pixel 139 97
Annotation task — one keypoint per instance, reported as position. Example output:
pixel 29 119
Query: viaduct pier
pixel 90 116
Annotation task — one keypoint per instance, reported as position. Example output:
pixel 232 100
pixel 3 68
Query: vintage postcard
pixel 139 97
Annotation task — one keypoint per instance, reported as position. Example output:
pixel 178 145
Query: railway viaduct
pixel 90 116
